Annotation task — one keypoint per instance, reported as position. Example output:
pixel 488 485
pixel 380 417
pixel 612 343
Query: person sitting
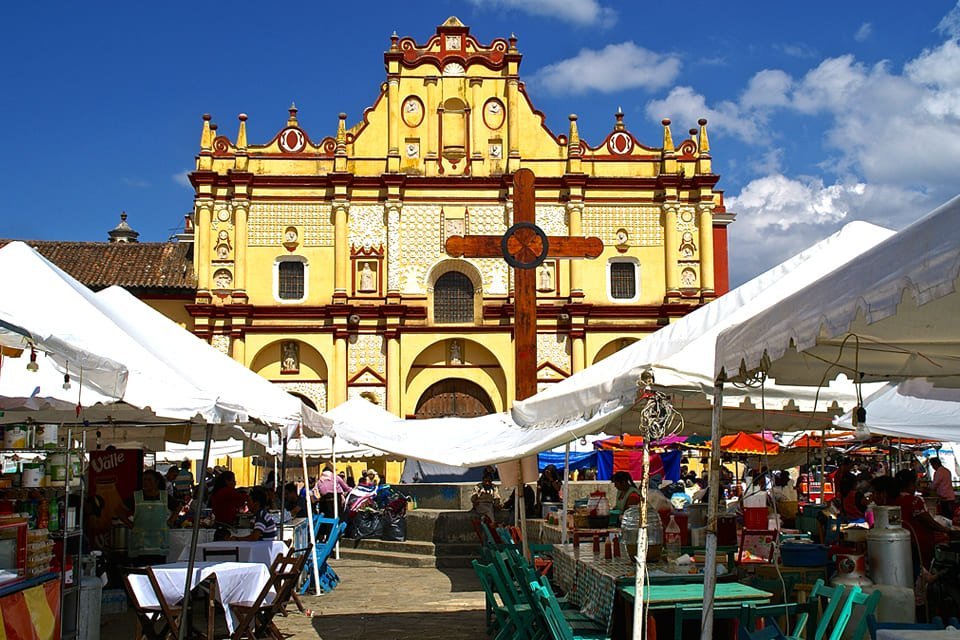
pixel 486 498
pixel 549 485
pixel 628 494
pixel 917 520
pixel 226 501
pixel 529 501
pixel 264 524
pixel 851 503
pixel 293 502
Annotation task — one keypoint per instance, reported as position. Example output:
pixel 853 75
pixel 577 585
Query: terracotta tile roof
pixel 144 266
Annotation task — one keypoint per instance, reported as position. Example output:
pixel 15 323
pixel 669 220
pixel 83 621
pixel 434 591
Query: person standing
pixel 942 487
pixel 148 522
pixel 184 481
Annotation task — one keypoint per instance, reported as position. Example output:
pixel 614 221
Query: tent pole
pixel 281 479
pixel 521 505
pixel 639 616
pixel 713 494
pixel 310 532
pixel 823 466
pixel 566 493
pixel 336 495
pixel 198 508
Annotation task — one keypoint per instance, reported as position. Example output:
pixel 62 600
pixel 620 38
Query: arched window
pixel 453 298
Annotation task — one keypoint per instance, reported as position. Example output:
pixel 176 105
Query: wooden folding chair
pixel 256 618
pixel 154 622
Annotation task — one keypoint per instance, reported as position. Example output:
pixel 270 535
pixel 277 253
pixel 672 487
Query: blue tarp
pixel 578 460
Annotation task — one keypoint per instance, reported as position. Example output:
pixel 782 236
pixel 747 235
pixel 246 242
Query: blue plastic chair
pixel 328 577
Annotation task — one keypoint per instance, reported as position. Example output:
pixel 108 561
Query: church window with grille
pixel 453 298
pixel 290 279
pixel 623 280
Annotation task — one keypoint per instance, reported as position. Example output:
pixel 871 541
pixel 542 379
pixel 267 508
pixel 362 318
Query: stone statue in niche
pixel 688 278
pixel 223 245
pixel 368 280
pixel 456 357
pixel 545 277
pixel 222 279
pixel 687 247
pixel 290 357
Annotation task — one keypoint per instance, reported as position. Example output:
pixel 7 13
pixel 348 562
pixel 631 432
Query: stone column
pixel 578 351
pixel 670 248
pixel 392 261
pixel 575 211
pixel 477 129
pixel 204 220
pixel 240 209
pixel 394 383
pixel 341 250
pixel 707 284
pixel 513 124
pixel 238 350
pixel 338 382
pixel 431 144
pixel 393 124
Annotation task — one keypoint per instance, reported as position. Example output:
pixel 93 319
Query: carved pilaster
pixel 341 249
pixel 393 210
pixel 670 249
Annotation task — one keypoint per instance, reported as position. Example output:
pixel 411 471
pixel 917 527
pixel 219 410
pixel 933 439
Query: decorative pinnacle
pixel 704 141
pixel 667 136
pixel 292 120
pixel 513 42
pixel 394 39
pixel 242 132
pixel 206 135
pixel 619 115
pixel 573 143
pixel 342 134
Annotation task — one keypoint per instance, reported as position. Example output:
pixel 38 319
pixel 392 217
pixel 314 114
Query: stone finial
pixel 704 141
pixel 342 135
pixel 513 43
pixel 573 143
pixel 292 119
pixel 242 132
pixel 206 135
pixel 667 136
pixel 693 134
pixel 619 115
pixel 122 232
pixel 394 40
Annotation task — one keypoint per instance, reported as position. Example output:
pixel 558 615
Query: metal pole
pixel 310 532
pixel 713 492
pixel 566 493
pixel 198 508
pixel 639 615
pixel 281 480
pixel 336 498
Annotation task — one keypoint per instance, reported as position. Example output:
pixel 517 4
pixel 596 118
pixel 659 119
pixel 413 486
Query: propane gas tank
pixel 888 549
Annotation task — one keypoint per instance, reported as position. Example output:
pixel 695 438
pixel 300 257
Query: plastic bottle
pixel 54 515
pixel 43 514
pixel 671 540
pixel 616 547
pixel 607 549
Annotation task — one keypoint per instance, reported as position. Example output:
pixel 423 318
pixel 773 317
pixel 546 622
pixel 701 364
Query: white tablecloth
pixel 180 540
pixel 261 551
pixel 236 582
pixel 917 634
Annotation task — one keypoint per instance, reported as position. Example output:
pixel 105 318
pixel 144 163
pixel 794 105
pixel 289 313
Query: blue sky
pixel 820 112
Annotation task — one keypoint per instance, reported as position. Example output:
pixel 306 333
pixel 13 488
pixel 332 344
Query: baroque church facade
pixel 319 263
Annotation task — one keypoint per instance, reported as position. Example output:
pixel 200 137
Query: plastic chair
pixel 868 603
pixel 498 620
pixel 839 602
pixel 328 577
pixel 549 611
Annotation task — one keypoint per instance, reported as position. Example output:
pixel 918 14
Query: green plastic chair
pixel 868 602
pixel 549 611
pixel 837 604
pixel 512 622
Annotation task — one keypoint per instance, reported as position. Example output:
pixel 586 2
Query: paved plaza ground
pixel 376 601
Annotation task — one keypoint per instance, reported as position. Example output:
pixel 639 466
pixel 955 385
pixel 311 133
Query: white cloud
pixel 863 32
pixel 767 88
pixel 684 107
pixel 950 25
pixel 579 12
pixel 798 50
pixel 777 201
pixel 183 178
pixel 613 68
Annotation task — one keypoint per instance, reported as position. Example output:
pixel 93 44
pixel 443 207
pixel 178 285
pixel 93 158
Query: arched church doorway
pixel 454 397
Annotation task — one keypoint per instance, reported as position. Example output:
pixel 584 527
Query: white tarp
pixel 681 354
pixel 176 452
pixel 599 398
pixel 356 410
pixel 911 409
pixel 201 364
pixel 891 314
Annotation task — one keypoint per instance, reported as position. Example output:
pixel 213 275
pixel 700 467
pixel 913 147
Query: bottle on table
pixel 671 540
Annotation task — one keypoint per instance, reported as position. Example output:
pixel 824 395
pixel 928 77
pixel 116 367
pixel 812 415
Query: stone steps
pixel 412 553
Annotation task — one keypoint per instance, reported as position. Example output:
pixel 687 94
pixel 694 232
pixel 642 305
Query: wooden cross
pixel 524 246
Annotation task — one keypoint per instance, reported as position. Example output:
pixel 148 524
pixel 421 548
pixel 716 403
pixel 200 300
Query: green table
pixel 665 596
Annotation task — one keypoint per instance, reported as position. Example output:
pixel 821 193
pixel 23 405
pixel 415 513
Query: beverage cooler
pixel 13 550
pixel 112 477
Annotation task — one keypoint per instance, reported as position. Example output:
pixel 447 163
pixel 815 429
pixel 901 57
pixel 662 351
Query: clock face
pixel 493 113
pixel 223 215
pixel 412 111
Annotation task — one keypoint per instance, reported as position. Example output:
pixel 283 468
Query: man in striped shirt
pixel 264 524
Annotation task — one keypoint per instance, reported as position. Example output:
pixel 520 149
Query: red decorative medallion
pixel 620 143
pixel 292 140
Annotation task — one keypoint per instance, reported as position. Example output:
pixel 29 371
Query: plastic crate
pixel 113 601
pixel 755 518
pixel 797 554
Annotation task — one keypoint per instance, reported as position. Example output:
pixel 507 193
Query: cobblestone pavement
pixel 388 602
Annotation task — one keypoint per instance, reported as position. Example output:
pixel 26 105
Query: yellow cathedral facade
pixel 319 261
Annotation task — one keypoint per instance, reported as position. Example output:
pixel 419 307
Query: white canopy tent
pixel 910 409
